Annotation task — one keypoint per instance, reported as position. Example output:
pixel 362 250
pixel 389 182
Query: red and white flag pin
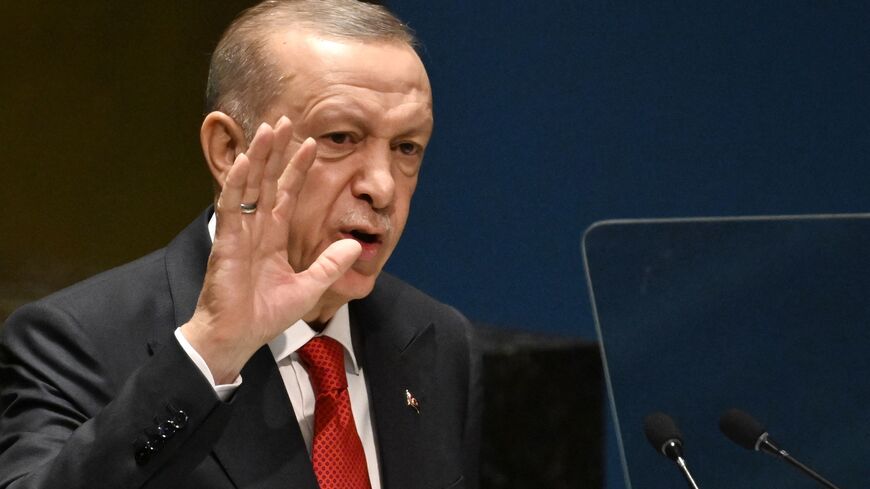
pixel 411 401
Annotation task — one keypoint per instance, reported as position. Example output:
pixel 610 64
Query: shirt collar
pixel 294 337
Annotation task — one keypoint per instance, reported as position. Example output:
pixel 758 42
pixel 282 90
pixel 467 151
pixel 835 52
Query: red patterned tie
pixel 337 453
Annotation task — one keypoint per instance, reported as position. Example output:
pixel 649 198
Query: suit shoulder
pixel 131 277
pixel 389 288
pixel 126 290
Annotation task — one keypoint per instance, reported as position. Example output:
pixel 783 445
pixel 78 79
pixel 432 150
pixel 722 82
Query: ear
pixel 222 140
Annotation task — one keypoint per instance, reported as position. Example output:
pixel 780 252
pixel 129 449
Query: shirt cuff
pixel 223 391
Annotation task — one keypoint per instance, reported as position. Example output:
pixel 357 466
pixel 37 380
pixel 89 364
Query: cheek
pixel 404 193
pixel 323 188
pixel 405 190
pixel 311 224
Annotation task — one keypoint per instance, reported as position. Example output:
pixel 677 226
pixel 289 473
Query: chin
pixel 354 285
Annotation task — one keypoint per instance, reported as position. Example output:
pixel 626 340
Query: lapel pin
pixel 411 401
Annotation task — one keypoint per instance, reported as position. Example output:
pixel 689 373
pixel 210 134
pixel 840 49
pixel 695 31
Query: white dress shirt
pixel 284 349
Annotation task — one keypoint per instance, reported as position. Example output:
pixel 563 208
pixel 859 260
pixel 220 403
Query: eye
pixel 336 145
pixel 409 149
pixel 339 138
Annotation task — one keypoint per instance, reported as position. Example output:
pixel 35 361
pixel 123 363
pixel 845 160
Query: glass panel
pixel 769 315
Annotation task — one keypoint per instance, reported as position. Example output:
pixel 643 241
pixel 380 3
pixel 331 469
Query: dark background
pixel 549 116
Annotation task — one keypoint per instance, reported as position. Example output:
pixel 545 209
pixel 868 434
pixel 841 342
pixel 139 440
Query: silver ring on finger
pixel 248 208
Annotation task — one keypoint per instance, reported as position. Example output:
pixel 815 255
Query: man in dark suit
pixel 198 365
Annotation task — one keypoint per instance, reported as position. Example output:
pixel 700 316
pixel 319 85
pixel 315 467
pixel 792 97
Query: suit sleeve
pixel 69 419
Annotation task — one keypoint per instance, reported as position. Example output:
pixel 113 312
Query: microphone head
pixel 662 432
pixel 741 428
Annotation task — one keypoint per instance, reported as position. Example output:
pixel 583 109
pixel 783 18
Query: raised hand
pixel 251 293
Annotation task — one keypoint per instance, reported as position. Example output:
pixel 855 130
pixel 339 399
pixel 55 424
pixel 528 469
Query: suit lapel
pixel 262 446
pixel 397 353
pixel 186 260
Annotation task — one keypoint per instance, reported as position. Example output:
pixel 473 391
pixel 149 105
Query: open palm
pixel 251 293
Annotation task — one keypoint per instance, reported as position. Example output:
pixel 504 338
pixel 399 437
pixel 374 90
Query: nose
pixel 374 181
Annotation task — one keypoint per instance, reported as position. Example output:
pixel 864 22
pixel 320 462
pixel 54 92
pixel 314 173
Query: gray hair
pixel 243 81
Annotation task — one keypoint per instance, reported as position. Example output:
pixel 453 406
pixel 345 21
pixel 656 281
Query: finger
pixel 277 162
pixel 258 153
pixel 330 266
pixel 293 178
pixel 228 211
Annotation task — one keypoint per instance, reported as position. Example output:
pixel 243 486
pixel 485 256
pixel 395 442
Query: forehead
pixel 314 66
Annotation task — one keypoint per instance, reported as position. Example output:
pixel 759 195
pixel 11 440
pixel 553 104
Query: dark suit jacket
pixel 88 373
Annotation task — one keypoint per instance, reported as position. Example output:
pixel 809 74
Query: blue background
pixel 553 115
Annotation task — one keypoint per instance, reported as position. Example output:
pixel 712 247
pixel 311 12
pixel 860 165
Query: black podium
pixel 543 411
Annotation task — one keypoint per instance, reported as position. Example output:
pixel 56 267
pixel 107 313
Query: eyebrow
pixel 336 112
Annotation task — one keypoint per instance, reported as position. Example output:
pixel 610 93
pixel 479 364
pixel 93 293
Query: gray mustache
pixel 358 218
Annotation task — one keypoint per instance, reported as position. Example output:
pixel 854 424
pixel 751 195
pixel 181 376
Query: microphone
pixel 662 432
pixel 744 430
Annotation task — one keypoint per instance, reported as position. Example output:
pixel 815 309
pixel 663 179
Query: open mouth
pixel 364 237
pixel 370 242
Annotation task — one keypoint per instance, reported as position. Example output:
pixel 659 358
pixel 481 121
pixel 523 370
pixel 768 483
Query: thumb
pixel 332 263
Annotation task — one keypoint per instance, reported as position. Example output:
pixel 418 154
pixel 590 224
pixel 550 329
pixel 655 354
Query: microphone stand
pixel 673 450
pixel 685 470
pixel 766 444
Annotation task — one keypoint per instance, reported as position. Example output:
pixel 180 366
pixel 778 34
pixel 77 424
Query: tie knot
pixel 324 359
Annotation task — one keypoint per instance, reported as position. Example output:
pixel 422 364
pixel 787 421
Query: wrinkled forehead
pixel 308 60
